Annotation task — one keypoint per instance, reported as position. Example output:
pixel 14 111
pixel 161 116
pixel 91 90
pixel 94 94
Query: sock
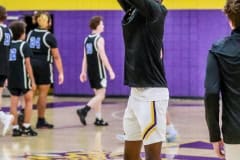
pixel 87 108
pixel 26 125
pixel 41 120
pixel 15 127
pixel 99 115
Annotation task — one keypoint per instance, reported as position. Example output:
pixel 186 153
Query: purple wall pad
pixel 188 37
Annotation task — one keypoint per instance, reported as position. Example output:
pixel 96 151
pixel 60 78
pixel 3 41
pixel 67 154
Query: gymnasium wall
pixel 191 27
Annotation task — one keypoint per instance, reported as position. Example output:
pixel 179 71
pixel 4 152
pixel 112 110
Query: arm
pixel 30 72
pixel 58 62
pixel 103 56
pixel 211 100
pixel 1 34
pixel 124 4
pixel 83 74
pixel 148 8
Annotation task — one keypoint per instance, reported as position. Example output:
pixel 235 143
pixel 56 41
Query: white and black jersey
pixel 5 40
pixel 17 76
pixel 41 41
pixel 95 68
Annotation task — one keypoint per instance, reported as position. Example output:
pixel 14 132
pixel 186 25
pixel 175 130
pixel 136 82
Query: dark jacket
pixel 223 77
pixel 143 27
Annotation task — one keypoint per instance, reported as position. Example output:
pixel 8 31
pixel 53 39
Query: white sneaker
pixel 7 121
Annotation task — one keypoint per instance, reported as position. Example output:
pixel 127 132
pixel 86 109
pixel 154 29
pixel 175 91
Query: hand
pixel 60 79
pixel 112 75
pixel 218 148
pixel 83 77
pixel 34 86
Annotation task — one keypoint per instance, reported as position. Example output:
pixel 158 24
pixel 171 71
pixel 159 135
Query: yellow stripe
pixel 16 5
pixel 150 124
pixel 150 132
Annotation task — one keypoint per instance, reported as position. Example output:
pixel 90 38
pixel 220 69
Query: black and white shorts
pixel 43 72
pixel 2 80
pixel 98 84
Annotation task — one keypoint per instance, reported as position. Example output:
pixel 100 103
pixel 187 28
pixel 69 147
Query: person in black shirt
pixel 20 78
pixel 145 116
pixel 223 77
pixel 45 51
pixel 5 39
pixel 93 66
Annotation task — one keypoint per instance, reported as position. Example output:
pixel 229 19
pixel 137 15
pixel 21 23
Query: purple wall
pixel 188 36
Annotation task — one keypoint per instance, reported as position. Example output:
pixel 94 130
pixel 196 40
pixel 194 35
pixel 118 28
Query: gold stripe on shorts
pixel 151 126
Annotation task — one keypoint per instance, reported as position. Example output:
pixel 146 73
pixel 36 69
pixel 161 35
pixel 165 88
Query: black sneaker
pixel 82 116
pixel 21 118
pixel 16 132
pixel 43 124
pixel 28 131
pixel 100 122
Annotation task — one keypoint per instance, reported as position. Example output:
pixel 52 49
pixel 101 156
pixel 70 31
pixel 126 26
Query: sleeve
pixel 51 40
pixel 211 98
pixel 27 52
pixel 125 5
pixel 148 8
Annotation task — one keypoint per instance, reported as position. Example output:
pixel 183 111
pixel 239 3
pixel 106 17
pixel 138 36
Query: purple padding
pixel 188 37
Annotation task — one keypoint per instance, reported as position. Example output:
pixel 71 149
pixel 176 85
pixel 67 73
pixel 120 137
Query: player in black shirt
pixel 145 116
pixel 93 66
pixel 45 52
pixel 223 78
pixel 20 78
pixel 5 39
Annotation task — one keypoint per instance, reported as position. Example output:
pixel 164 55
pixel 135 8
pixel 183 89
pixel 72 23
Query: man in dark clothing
pixel 223 77
pixel 145 115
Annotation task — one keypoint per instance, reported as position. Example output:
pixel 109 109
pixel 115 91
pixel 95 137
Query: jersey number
pixel 35 42
pixel 7 39
pixel 89 48
pixel 13 54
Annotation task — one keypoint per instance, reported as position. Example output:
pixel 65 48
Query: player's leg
pixel 13 110
pixel 133 137
pixel 26 127
pixel 41 106
pixel 153 151
pixel 94 102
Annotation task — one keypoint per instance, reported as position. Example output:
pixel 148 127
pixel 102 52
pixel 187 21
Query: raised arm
pixel 124 4
pixel 148 8
pixel 103 56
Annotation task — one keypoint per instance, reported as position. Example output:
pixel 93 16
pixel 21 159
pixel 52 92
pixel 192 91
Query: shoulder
pixel 218 46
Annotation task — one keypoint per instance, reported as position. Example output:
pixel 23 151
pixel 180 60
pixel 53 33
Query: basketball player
pixel 222 77
pixel 45 51
pixel 93 66
pixel 20 78
pixel 5 39
pixel 145 116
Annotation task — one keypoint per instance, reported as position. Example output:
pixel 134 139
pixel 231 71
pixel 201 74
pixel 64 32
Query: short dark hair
pixel 232 10
pixel 17 28
pixel 95 21
pixel 3 13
